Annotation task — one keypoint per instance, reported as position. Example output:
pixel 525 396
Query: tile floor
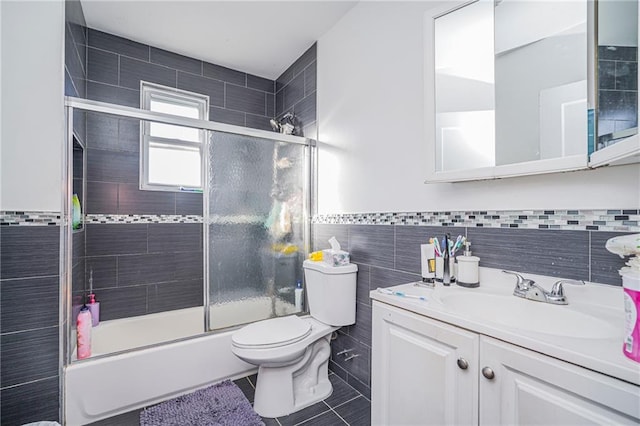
pixel 345 406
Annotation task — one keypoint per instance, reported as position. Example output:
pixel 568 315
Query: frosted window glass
pixel 174 165
pixel 174 132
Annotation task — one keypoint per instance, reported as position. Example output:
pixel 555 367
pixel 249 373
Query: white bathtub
pixel 104 387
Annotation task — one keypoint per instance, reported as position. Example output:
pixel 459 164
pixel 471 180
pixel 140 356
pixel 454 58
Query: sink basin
pixel 529 315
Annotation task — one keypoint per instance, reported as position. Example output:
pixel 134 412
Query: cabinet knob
pixel 463 364
pixel 488 373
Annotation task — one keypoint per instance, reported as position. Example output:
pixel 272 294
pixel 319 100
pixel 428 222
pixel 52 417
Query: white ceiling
pixel 257 37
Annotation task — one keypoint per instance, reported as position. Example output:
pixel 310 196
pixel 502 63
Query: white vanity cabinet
pixel 418 379
pixel 415 377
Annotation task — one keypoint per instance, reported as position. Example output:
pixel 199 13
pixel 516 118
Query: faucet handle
pixel 557 289
pixel 522 283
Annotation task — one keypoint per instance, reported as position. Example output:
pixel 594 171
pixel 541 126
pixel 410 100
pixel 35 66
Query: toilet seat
pixel 272 333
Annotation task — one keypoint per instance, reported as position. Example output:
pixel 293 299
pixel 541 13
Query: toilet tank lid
pixel 325 268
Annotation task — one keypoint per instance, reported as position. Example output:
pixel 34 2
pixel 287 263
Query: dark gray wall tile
pixel 128 135
pixel 361 330
pixel 322 233
pixel 175 295
pixel 224 74
pixel 310 76
pixel 205 86
pixel 145 269
pixel 132 71
pixel 77 246
pixel 188 203
pixel 69 87
pixel 117 44
pixel 557 253
pixel 102 131
pixel 72 59
pixel 29 251
pixel 356 412
pixel 305 59
pixel 104 269
pixel 606 75
pixel 102 198
pixel 31 402
pixel 245 100
pixel 372 244
pixel 626 76
pixel 358 366
pixel 102 66
pixel 388 277
pixel 258 122
pixel 339 371
pixel 113 94
pixel 271 105
pixel 280 103
pixel 363 388
pixel 29 355
pixel 132 200
pixel 78 283
pixel 294 91
pixel 112 239
pixel 173 60
pixel 226 116
pixel 362 280
pixel 175 237
pixel 305 110
pixel 260 83
pixel 604 264
pixel 42 297
pixel 187 265
pixel 618 105
pixel 122 302
pixel 112 166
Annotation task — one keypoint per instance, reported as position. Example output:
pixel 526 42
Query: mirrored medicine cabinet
pixel 521 87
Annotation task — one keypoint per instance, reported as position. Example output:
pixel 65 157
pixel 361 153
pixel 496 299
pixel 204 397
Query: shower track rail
pixel 73 103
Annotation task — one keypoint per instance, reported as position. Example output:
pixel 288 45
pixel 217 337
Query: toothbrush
pixel 400 293
pixel 436 246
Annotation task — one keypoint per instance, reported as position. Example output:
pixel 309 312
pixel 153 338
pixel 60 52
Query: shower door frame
pixel 73 103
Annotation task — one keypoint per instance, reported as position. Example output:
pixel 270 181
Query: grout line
pixel 28 383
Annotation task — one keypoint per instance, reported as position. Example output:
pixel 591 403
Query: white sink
pixel 539 317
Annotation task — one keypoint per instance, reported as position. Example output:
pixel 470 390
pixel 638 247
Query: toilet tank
pixel 331 292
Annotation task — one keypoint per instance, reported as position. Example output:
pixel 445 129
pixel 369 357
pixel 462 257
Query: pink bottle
pixel 83 329
pixel 631 286
pixel 94 308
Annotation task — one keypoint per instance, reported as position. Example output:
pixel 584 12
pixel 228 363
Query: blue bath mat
pixel 220 404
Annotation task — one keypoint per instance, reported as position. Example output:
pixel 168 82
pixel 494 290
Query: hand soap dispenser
pixel 468 268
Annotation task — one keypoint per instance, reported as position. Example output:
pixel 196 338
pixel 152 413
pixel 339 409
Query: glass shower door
pixel 256 220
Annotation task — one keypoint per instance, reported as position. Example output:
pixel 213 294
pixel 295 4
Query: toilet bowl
pixel 292 353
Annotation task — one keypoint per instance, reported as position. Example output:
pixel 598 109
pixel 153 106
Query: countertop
pixel 596 346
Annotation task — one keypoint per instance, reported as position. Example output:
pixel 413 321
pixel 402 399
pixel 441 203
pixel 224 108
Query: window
pixel 171 156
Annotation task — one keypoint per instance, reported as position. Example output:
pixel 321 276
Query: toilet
pixel 292 353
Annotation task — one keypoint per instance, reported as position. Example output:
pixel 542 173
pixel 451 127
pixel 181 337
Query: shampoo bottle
pixel 298 296
pixel 83 330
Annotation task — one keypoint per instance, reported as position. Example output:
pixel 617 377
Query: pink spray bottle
pixel 83 330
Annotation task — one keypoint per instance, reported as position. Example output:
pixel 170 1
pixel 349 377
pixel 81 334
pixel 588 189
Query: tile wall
pixel 296 92
pixel 617 89
pixel 389 255
pixel 29 327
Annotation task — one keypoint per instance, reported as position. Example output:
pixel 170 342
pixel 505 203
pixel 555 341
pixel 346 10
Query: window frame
pixel 151 91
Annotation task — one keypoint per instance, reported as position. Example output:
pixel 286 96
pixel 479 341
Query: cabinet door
pixel 415 378
pixel 531 388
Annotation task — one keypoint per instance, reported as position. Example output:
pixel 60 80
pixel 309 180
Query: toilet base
pixel 281 391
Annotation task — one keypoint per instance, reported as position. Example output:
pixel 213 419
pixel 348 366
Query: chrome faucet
pixel 528 289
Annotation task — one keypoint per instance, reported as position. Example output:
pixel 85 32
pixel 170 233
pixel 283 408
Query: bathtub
pixel 103 387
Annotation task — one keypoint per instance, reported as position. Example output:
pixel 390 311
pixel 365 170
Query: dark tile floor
pixel 345 406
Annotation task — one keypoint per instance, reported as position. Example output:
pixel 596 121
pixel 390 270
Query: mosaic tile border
pixel 585 220
pixel 141 218
pixel 20 218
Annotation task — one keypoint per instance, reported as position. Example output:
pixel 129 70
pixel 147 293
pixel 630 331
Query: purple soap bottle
pixel 94 308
